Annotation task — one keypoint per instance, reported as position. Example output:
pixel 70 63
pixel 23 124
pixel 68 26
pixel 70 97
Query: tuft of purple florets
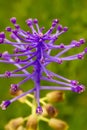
pixel 33 48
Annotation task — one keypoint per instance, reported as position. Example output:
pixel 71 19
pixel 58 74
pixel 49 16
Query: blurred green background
pixel 72 13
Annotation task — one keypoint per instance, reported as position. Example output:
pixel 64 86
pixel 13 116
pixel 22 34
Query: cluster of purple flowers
pixel 34 49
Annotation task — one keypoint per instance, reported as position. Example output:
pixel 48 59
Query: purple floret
pixel 5 104
pixel 33 48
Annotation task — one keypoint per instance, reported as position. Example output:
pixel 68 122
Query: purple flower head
pixel 33 48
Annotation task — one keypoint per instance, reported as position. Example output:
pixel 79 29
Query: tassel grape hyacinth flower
pixel 34 49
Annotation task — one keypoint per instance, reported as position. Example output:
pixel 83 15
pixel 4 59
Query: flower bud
pixel 32 123
pixel 14 124
pixel 17 93
pixel 13 20
pixel 51 110
pixel 20 128
pixel 55 96
pixel 44 113
pixel 58 124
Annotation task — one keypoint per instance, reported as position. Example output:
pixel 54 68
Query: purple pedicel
pixel 34 49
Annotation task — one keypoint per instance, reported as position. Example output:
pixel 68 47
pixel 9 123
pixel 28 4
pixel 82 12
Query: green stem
pixel 34 105
pixel 44 119
pixel 28 103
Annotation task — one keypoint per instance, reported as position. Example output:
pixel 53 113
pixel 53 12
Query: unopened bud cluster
pixel 50 114
pixel 33 48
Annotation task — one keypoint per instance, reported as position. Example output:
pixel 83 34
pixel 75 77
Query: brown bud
pixel 44 113
pixel 8 127
pixel 55 96
pixel 14 124
pixel 58 124
pixel 51 110
pixel 32 123
pixel 17 93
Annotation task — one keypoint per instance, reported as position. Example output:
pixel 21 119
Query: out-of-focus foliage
pixel 72 13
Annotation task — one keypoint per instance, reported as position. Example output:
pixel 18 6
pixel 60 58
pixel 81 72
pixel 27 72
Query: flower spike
pixel 34 49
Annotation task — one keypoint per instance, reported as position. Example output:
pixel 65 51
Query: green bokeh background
pixel 72 13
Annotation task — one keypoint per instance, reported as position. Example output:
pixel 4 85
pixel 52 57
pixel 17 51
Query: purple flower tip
pixel 82 41
pixel 5 104
pixel 39 110
pixel 8 29
pixel 56 21
pixel 13 20
pixel 29 22
pixel 78 88
pixel 17 59
pixel 65 29
pixel 53 24
pixel 35 21
pixel 49 76
pixel 80 56
pixel 85 50
pixel 15 31
pixel 77 44
pixel 59 61
pixel 74 82
pixel 0 55
pixel 59 28
pixel 2 35
pixel 7 74
pixel 17 26
pixel 16 50
pixel 62 46
pixel 14 87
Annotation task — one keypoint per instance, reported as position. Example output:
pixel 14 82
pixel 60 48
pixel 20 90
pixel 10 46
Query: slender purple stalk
pixel 35 48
